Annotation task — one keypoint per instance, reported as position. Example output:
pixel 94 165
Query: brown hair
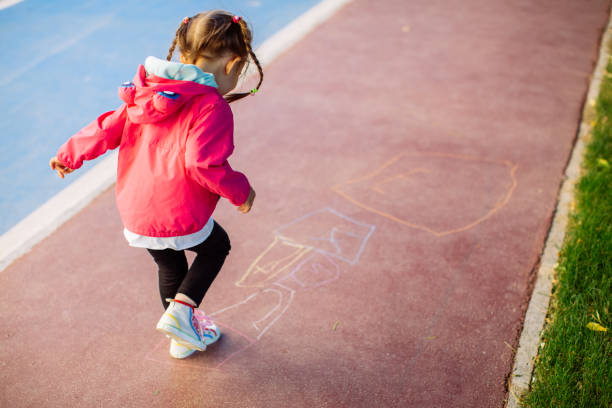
pixel 212 34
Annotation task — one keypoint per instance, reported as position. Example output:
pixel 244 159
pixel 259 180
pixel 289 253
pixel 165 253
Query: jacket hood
pixel 161 87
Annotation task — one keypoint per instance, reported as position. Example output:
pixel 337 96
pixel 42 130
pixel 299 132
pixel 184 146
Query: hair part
pixel 213 34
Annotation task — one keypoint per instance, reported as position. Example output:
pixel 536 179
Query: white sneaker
pixel 179 323
pixel 207 329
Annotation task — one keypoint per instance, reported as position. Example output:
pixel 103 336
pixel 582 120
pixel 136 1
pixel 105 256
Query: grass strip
pixel 574 365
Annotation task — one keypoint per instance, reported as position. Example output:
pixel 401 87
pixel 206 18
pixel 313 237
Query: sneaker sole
pixel 178 335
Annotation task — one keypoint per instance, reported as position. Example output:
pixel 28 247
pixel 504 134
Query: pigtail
pixel 180 31
pixel 246 36
pixel 259 68
pixel 171 50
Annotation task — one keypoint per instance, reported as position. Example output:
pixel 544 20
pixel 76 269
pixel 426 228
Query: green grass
pixel 574 366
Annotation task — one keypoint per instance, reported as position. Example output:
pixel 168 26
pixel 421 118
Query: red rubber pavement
pixel 407 158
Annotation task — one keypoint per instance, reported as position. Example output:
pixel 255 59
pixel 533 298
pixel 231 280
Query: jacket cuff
pixel 243 196
pixel 66 161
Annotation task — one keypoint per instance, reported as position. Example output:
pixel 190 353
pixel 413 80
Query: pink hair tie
pixel 186 20
pixel 236 19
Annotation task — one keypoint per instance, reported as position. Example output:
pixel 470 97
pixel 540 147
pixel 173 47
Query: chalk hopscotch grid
pixel 303 264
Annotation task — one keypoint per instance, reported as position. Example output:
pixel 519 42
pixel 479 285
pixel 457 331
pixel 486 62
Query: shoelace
pixel 202 323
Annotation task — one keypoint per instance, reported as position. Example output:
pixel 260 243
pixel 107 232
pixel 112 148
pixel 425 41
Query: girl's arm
pixel 93 140
pixel 209 144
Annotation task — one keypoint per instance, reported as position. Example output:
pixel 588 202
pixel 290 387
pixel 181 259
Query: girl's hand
pixel 60 167
pixel 246 207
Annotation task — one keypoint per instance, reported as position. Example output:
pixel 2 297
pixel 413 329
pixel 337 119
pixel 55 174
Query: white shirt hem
pixel 176 243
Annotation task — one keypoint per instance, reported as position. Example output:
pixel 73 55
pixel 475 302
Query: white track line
pixel 51 215
pixel 8 3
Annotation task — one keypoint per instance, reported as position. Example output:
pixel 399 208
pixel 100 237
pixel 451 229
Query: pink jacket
pixel 174 139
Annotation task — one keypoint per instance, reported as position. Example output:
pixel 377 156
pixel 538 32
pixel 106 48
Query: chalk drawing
pixel 260 325
pixel 329 231
pixel 303 255
pixel 276 260
pixel 261 309
pixel 405 176
pixel 440 193
pixel 315 271
pixel 326 231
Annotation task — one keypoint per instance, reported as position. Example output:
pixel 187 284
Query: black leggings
pixel 174 275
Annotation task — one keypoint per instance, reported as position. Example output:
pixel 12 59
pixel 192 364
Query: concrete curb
pixel 537 310
pixel 60 208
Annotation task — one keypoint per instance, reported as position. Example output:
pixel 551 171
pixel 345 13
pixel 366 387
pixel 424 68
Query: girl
pixel 175 134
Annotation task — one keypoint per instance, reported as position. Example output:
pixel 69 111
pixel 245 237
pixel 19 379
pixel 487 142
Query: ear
pixel 231 63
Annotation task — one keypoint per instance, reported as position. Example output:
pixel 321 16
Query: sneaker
pixel 208 331
pixel 178 322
